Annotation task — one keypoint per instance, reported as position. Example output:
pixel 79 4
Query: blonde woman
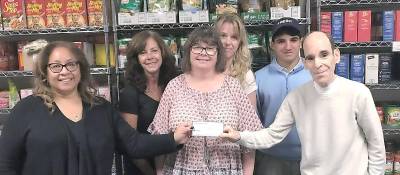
pixel 238 57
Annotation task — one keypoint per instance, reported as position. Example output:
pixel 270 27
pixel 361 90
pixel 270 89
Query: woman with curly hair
pixel 238 57
pixel 64 129
pixel 149 69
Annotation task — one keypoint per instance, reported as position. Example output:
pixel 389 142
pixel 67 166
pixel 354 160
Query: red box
pixel 350 26
pixel 364 26
pixel 95 12
pixel 13 15
pixel 35 14
pixel 397 26
pixel 326 23
pixel 76 13
pixel 55 13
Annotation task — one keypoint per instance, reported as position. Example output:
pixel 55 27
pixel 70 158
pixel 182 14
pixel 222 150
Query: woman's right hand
pixel 183 133
pixel 230 134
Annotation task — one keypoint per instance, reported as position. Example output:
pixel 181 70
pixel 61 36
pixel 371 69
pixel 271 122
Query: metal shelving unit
pixel 365 47
pixel 93 71
pixel 374 5
pixel 29 32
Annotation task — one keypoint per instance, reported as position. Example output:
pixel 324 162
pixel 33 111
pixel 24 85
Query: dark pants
pixel 269 165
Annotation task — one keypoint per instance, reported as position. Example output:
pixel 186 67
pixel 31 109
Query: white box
pixel 278 12
pixel 132 18
pixel 371 68
pixel 193 16
pixel 161 18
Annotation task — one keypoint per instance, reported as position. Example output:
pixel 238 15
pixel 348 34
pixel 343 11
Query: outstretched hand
pixel 182 133
pixel 230 134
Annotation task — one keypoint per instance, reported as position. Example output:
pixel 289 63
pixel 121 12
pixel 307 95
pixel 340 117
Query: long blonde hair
pixel 42 87
pixel 241 62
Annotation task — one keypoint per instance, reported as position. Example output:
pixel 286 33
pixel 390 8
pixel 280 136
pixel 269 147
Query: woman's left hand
pixel 182 133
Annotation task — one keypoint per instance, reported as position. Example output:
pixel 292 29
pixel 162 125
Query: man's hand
pixel 182 133
pixel 230 134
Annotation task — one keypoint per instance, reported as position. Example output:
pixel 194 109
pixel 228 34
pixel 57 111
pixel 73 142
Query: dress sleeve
pixel 12 140
pixel 368 120
pixel 249 84
pixel 160 124
pixel 128 100
pixel 139 145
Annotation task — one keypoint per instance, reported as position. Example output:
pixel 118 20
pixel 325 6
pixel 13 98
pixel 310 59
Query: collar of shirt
pixel 328 89
pixel 279 68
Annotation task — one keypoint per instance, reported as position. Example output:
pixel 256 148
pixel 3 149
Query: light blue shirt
pixel 274 83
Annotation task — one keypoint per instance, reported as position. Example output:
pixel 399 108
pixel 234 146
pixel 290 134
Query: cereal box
pixel 95 12
pixel 13 15
pixel 35 14
pixel 55 13
pixel 76 13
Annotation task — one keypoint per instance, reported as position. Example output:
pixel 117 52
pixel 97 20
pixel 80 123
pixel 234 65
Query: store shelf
pixel 93 71
pixel 4 111
pixel 56 33
pixel 395 85
pixel 365 47
pixel 391 131
pixel 374 5
pixel 187 27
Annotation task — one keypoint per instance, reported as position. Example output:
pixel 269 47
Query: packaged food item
pixel 13 14
pixel 396 167
pixel 223 6
pixel 158 6
pixel 130 6
pixel 30 53
pixel 95 12
pixel 100 54
pixel 8 56
pixel 191 5
pixel 76 14
pixel 122 49
pixel 13 94
pixel 35 14
pixel 25 92
pixel 392 115
pixel 389 147
pixel 381 114
pixel 55 13
pixel 4 98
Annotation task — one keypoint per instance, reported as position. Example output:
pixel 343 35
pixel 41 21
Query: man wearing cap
pixel 338 126
pixel 285 73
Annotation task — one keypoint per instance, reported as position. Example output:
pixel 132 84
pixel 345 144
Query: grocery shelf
pixel 395 85
pixel 365 47
pixel 185 27
pixel 93 71
pixel 374 5
pixel 391 130
pixel 5 111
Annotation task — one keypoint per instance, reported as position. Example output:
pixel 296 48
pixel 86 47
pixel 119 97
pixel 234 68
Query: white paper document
pixel 213 129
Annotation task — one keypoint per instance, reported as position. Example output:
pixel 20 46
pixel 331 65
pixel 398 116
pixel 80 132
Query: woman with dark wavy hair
pixel 149 69
pixel 64 129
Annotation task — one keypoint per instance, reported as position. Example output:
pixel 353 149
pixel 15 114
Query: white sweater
pixel 338 126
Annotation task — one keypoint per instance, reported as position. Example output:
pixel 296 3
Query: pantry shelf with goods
pixel 84 22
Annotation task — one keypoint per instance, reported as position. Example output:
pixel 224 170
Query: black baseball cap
pixel 286 23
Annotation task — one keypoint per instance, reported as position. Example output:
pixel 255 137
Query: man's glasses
pixel 210 51
pixel 57 67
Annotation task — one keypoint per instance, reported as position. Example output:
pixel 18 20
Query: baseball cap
pixel 285 22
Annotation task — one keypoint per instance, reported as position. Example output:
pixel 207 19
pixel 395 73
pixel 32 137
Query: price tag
pixel 396 46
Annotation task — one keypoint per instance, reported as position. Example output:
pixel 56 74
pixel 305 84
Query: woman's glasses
pixel 210 51
pixel 57 67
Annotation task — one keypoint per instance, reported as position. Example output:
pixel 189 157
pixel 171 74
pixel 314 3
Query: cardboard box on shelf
pixel 95 12
pixel 55 13
pixel 35 14
pixel 364 26
pixel 193 16
pixel 13 15
pixel 76 13
pixel 278 12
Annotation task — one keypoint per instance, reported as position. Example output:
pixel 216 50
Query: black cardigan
pixel 35 142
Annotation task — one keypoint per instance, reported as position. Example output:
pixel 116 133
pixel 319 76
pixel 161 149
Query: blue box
pixel 337 26
pixel 342 68
pixel 388 25
pixel 357 68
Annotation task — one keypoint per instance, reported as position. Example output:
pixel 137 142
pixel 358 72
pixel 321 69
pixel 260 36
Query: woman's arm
pixel 159 164
pixel 130 118
pixel 248 160
pixel 253 99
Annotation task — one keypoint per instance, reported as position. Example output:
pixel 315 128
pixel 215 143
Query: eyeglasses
pixel 210 51
pixel 57 67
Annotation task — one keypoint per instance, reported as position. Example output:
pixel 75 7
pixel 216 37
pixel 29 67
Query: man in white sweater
pixel 338 125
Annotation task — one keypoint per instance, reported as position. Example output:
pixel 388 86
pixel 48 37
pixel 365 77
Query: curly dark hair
pixel 134 73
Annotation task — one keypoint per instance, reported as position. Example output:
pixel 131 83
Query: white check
pixel 207 128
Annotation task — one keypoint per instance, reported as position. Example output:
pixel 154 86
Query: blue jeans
pixel 269 165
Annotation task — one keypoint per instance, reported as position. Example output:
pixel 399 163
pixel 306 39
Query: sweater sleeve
pixel 272 135
pixel 13 138
pixel 139 145
pixel 369 122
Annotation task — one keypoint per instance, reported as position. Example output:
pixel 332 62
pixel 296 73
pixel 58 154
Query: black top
pixel 36 142
pixel 132 101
